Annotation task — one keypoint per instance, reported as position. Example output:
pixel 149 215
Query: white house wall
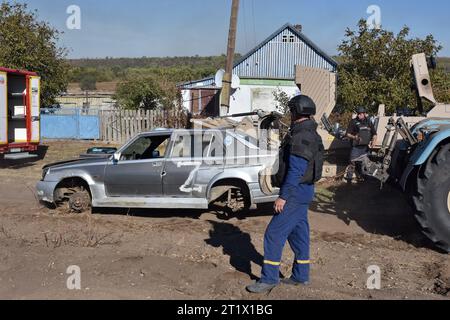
pixel 186 98
pixel 249 98
pixel 255 97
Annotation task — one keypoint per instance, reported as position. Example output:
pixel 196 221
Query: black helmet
pixel 302 106
pixel 360 110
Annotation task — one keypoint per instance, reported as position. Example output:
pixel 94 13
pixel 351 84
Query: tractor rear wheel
pixel 432 199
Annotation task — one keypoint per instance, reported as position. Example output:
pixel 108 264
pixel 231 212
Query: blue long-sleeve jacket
pixel 292 190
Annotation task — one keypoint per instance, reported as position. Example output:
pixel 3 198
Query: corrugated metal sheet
pixel 276 58
pixel 203 84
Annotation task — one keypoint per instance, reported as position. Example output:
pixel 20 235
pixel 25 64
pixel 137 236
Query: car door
pixel 138 172
pixel 212 165
pixel 183 166
pixel 180 167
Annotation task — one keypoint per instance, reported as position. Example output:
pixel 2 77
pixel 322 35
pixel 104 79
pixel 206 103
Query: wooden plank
pixel 130 124
pixel 111 126
pixel 131 113
pixel 139 121
pixel 127 125
pixel 114 126
pixel 151 121
pixel 144 120
pixel 123 133
pixel 107 126
pixel 147 120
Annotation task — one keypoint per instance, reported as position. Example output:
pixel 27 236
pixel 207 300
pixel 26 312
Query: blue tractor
pixel 415 153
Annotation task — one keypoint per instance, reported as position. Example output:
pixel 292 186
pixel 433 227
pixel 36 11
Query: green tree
pixel 88 82
pixel 147 92
pixel 375 68
pixel 30 44
pixel 282 98
pixel 440 79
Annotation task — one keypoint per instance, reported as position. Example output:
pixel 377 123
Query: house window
pixel 291 39
pixel 285 38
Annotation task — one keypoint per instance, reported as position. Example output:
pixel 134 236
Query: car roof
pixel 163 131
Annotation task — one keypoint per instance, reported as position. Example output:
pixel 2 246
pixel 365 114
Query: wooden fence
pixel 119 126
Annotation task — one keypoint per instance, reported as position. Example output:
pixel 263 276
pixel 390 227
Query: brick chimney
pixel 298 27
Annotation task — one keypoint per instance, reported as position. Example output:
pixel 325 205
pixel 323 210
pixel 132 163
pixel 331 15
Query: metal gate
pixel 70 124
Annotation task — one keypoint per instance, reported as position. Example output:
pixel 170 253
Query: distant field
pixel 178 69
pixel 109 71
pixel 74 87
pixel 147 62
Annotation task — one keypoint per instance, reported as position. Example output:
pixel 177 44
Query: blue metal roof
pixel 276 58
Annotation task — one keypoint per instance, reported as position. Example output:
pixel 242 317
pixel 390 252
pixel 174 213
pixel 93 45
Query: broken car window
pixel 146 148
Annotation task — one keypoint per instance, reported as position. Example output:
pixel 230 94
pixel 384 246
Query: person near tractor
pixel 300 166
pixel 363 135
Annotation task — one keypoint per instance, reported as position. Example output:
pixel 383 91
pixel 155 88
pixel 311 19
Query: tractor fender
pixel 422 153
pixel 424 150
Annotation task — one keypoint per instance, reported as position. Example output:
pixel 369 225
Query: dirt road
pixel 166 254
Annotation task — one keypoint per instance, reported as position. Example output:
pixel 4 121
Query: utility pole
pixel 227 78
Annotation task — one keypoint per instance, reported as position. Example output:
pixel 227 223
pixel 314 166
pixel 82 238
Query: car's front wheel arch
pixel 73 190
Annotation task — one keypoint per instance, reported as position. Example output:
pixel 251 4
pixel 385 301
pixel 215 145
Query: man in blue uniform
pixel 301 162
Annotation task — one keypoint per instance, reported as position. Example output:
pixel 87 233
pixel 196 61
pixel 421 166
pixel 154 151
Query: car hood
pixel 75 162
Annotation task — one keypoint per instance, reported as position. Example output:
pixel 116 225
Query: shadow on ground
pixel 262 211
pixel 237 245
pixel 384 212
pixel 24 163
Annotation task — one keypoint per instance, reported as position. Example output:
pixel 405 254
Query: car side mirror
pixel 116 157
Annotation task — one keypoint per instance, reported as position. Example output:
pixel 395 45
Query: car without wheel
pixel 170 169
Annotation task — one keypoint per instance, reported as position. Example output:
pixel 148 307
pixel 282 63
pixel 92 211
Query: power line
pixel 254 23
pixel 245 25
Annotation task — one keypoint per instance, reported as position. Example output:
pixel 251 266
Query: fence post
pixel 139 121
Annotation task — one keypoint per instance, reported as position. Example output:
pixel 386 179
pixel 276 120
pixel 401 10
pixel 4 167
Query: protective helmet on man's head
pixel 302 106
pixel 360 110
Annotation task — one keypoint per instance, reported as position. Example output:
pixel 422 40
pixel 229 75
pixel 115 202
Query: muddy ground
pixel 186 254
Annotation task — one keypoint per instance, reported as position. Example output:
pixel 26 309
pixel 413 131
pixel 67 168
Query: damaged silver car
pixel 170 169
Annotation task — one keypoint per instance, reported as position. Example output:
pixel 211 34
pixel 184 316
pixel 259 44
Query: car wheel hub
pixel 79 202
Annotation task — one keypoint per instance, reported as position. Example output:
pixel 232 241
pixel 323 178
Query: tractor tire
pixel 432 199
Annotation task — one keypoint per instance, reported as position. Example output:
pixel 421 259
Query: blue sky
pixel 135 28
